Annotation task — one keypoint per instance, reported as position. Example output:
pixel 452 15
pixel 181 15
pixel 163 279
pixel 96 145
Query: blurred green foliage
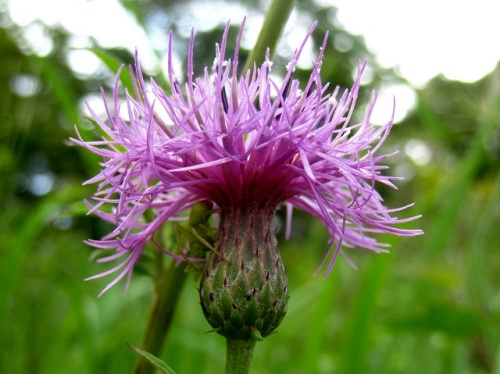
pixel 432 305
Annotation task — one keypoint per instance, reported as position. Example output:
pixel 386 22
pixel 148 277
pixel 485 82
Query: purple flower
pixel 229 139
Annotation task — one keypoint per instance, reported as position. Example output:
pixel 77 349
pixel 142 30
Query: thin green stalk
pixel 167 292
pixel 274 23
pixel 239 355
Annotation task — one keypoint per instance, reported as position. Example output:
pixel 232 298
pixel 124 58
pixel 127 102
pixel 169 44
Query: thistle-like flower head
pixel 238 141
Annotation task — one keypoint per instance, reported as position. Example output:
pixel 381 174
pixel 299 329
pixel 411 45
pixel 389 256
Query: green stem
pixel 167 292
pixel 274 23
pixel 239 355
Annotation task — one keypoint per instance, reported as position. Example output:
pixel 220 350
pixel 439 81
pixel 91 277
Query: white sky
pixel 104 19
pixel 460 38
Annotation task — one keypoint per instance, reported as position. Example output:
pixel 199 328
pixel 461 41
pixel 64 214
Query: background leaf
pixel 155 361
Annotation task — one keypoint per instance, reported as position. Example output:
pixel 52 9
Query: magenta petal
pixel 211 141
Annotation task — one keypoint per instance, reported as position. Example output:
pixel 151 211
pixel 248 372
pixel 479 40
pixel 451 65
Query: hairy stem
pixel 239 355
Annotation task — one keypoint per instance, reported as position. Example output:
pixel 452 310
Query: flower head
pixel 232 140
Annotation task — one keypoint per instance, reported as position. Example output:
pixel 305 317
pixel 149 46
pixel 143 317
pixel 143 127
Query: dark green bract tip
pixel 244 295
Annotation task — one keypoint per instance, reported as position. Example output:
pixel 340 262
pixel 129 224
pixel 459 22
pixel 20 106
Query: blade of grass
pixel 153 360
pixel 363 315
pixel 455 191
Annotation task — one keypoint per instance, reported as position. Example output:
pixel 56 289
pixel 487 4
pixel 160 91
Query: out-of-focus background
pixel 431 306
